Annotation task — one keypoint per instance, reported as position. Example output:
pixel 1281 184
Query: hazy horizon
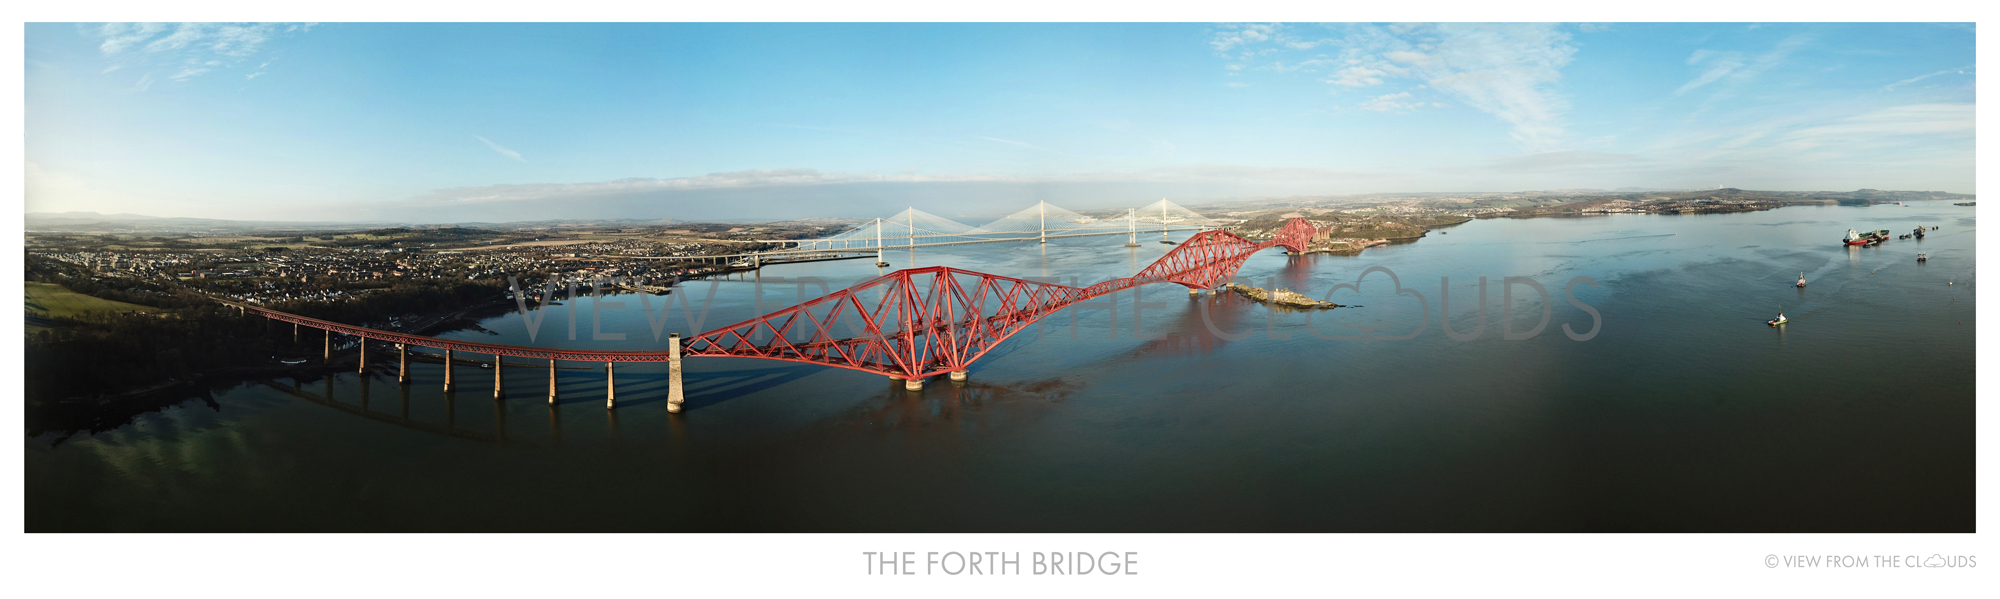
pixel 801 210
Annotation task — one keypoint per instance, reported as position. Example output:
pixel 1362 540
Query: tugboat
pixel 1919 232
pixel 1802 275
pixel 1777 321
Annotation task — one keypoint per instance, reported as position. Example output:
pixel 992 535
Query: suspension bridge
pixel 910 324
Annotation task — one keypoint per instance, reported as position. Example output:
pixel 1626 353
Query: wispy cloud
pixel 1230 36
pixel 1357 76
pixel 1867 143
pixel 1509 71
pixel 1915 79
pixel 116 37
pixel 1389 102
pixel 503 151
pixel 190 70
pixel 1885 127
pixel 186 50
pixel 1734 66
pixel 1720 64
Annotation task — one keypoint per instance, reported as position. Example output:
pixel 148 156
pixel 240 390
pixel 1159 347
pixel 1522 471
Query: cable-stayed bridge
pixel 913 228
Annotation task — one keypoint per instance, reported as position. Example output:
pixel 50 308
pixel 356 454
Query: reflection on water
pixel 1686 413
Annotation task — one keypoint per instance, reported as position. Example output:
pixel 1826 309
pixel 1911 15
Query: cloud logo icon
pixel 1368 333
pixel 1936 561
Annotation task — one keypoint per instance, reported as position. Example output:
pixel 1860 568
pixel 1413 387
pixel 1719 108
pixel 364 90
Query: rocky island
pixel 1281 297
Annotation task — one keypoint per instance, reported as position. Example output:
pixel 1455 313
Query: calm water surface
pixel 1684 413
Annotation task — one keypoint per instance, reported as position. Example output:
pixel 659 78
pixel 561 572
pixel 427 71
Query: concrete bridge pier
pixel 497 365
pixel 552 382
pixel 958 376
pixel 674 395
pixel 447 370
pixel 610 387
pixel 361 355
pixel 327 355
pixel 402 364
pixel 1194 293
pixel 914 384
pixel 295 333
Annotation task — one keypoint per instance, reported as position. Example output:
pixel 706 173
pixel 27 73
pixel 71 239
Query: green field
pixel 50 300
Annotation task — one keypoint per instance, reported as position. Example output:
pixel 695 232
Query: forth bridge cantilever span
pixel 910 324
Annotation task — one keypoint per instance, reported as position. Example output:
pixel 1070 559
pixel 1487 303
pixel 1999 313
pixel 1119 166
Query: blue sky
pixel 453 123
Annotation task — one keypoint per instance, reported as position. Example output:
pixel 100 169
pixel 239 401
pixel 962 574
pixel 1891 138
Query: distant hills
pixel 1859 194
pixel 92 222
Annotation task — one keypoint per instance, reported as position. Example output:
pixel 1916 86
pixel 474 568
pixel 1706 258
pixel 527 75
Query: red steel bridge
pixel 910 324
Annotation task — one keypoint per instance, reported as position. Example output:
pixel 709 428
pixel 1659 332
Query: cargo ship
pixel 1869 238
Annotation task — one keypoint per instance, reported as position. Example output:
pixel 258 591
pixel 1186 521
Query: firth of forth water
pixel 1684 412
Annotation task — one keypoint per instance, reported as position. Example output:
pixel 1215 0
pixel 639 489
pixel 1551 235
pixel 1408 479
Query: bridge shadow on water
pixel 946 406
pixel 702 389
pixel 1193 333
pixel 60 420
pixel 711 388
pixel 1188 334
pixel 380 398
pixel 364 387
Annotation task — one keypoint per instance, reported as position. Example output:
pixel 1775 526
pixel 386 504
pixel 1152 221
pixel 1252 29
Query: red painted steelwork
pixel 463 346
pixel 912 323
pixel 922 322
